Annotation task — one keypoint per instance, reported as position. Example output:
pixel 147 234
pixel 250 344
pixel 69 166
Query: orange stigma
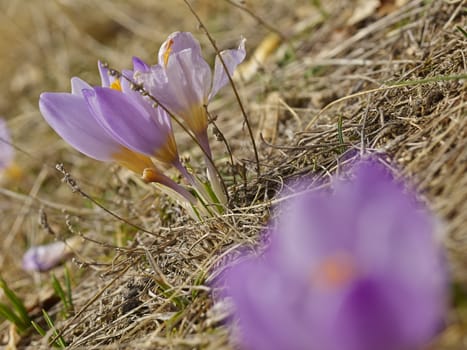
pixel 167 52
pixel 334 271
pixel 116 85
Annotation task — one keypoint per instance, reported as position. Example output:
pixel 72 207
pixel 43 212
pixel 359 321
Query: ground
pixel 322 84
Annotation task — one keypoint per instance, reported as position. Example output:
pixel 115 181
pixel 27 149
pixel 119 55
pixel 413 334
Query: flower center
pixel 116 85
pixel 334 271
pixel 167 52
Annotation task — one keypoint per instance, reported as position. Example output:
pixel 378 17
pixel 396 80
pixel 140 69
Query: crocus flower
pixel 358 269
pixel 69 115
pixel 6 150
pixel 183 82
pixel 132 119
pixel 113 123
pixel 47 256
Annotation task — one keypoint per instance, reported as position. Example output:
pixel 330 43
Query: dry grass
pixel 389 85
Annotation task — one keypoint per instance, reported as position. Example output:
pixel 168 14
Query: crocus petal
pixel 367 319
pixel 127 121
pixel 182 87
pixel 260 317
pixel 231 58
pixel 140 66
pixel 45 257
pixel 70 117
pixel 176 42
pixel 190 78
pixel 6 150
pixel 104 74
pixel 78 85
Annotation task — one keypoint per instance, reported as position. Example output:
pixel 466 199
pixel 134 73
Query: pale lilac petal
pixel 104 74
pixel 157 84
pixel 128 122
pixel 177 42
pixel 6 150
pixel 232 58
pixel 140 66
pixel 182 87
pixel 70 117
pixel 77 85
pixel 45 257
pixel 191 76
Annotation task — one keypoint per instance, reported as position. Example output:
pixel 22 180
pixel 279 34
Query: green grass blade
pixel 462 30
pixel 60 342
pixel 8 314
pixel 59 291
pixel 68 291
pixel 16 302
pixel 39 329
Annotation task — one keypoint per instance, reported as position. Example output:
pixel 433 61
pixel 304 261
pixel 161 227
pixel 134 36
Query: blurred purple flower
pixel 358 269
pixel 183 82
pixel 6 150
pixel 45 257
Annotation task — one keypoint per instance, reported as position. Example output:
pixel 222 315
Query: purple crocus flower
pixel 133 121
pixel 69 115
pixel 6 150
pixel 114 123
pixel 45 257
pixel 183 82
pixel 358 269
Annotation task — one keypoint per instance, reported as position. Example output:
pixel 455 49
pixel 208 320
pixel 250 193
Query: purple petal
pixel 70 117
pixel 77 85
pixel 190 76
pixel 6 150
pixel 367 319
pixel 232 58
pixel 176 42
pixel 45 257
pixel 104 73
pixel 182 87
pixel 256 290
pixel 140 66
pixel 129 122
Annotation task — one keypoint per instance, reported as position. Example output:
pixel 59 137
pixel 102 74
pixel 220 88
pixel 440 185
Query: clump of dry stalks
pixel 392 84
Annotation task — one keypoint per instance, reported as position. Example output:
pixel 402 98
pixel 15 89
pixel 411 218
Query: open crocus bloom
pixel 358 269
pixel 6 150
pixel 69 115
pixel 113 123
pixel 183 82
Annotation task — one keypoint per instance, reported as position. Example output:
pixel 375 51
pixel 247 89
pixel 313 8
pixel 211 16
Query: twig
pixel 75 188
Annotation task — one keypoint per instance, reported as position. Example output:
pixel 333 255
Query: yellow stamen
pixel 167 52
pixel 334 271
pixel 116 85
